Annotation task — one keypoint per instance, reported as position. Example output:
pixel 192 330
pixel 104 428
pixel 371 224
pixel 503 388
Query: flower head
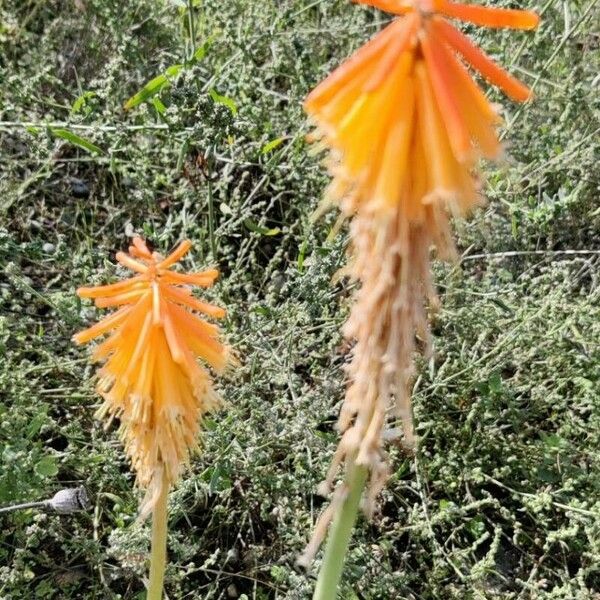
pixel 405 125
pixel 403 118
pixel 151 379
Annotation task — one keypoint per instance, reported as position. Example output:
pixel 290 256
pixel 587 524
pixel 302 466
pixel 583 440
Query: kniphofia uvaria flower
pixel 151 379
pixel 405 126
pixel 404 119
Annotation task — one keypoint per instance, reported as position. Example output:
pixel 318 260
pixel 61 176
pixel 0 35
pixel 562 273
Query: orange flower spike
pixel 148 320
pixel 151 378
pixel 355 109
pixel 405 124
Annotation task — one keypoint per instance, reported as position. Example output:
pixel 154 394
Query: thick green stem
pixel 339 535
pixel 159 544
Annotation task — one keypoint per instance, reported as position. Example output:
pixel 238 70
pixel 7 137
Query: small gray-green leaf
pixel 269 146
pixel 252 226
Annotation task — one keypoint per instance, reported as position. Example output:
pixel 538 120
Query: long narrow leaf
pixel 224 100
pixel 76 140
pixel 153 86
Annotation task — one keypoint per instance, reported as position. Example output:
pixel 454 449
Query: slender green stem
pixel 211 217
pixel 339 535
pixel 159 544
pixel 192 28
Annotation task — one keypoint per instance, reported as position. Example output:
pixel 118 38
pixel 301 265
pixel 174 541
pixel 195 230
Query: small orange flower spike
pixel 407 89
pixel 151 379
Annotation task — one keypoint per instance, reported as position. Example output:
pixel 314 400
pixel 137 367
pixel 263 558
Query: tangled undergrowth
pixel 501 499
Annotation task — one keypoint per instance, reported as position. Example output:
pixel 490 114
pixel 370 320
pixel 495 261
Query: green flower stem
pixel 159 545
pixel 339 535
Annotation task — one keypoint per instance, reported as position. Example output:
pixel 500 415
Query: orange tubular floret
pixel 194 324
pixel 402 40
pixel 446 99
pixel 133 251
pixel 360 132
pixel 171 334
pixel 126 298
pixel 181 297
pixel 391 6
pixel 360 61
pixel 418 185
pixel 156 314
pixel 107 324
pixel 479 124
pixel 203 279
pixel 435 137
pixel 491 17
pixel 128 262
pixel 199 341
pixel 176 255
pixel 141 247
pixel 106 347
pixel 108 290
pixel 461 73
pixel 512 87
pixel 141 344
pixel 394 159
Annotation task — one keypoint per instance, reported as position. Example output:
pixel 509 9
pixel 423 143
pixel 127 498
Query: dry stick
pixel 339 536
pixel 159 543
pixel 24 506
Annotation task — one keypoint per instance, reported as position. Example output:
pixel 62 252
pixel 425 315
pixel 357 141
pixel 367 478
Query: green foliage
pixel 501 500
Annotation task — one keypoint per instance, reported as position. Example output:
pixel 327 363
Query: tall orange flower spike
pixel 403 117
pixel 151 379
pixel 405 125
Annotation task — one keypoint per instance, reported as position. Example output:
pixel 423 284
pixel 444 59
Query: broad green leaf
pixel 153 86
pixel 75 139
pixel 224 100
pixel 269 146
pixel 252 226
pixel 46 467
pixel 495 383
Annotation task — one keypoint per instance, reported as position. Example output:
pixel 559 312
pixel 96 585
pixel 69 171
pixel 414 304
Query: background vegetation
pixel 502 499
